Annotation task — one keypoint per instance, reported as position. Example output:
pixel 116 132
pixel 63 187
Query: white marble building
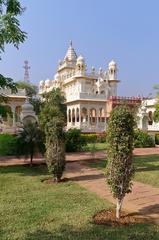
pixel 146 116
pixel 19 107
pixel 86 93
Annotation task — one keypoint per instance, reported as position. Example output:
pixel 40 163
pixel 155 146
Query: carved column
pixel 14 117
pixel 71 116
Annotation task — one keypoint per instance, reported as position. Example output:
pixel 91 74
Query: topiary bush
pixel 8 144
pixel 119 170
pixel 75 141
pixel 142 139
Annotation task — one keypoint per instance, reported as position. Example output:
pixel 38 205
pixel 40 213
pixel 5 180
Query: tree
pixel 30 141
pixel 10 32
pixel 120 170
pixel 52 119
pixel 31 90
pixel 74 140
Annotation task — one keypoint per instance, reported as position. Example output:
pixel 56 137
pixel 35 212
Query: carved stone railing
pixel 7 92
pixel 154 127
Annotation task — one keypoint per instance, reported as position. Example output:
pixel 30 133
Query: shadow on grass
pixel 141 163
pixel 88 177
pixel 96 232
pixel 25 170
pixel 146 163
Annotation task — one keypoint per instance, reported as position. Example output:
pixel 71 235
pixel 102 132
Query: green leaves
pixel 30 140
pixel 52 120
pixel 10 32
pixel 120 137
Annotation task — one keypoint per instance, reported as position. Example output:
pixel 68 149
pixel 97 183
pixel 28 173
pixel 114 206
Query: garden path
pixel 11 160
pixel 143 200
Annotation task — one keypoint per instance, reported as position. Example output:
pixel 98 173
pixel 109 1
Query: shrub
pixel 8 144
pixel 75 141
pixel 101 137
pixel 142 139
pixel 94 137
pixel 157 139
pixel 89 137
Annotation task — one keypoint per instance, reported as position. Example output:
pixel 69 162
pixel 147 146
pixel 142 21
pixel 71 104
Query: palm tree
pixel 30 141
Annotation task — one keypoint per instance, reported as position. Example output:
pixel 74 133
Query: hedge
pixel 142 139
pixel 94 137
pixel 7 144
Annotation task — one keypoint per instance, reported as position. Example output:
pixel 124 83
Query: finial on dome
pixel 70 54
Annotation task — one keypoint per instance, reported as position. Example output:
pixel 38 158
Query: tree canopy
pixel 31 89
pixel 10 33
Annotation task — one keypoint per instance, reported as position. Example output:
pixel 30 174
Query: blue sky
pixel 124 30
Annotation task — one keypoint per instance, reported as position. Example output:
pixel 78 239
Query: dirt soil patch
pixel 108 217
pixel 50 180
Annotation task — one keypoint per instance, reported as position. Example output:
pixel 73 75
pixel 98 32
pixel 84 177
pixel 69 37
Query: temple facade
pixel 86 93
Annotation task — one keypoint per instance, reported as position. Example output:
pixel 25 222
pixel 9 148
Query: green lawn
pixel 32 210
pixel 95 147
pixel 147 169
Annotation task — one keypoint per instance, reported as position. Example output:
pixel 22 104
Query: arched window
pixel 93 115
pixel 150 118
pixel 73 115
pixel 69 115
pixel 77 114
pixel 84 115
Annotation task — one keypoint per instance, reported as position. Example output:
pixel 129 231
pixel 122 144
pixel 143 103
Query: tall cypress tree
pixel 53 119
pixel 120 170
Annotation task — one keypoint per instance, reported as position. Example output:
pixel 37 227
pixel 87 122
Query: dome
pixel 112 63
pixel 47 82
pixel 80 59
pixel 42 82
pixel 27 106
pixel 56 76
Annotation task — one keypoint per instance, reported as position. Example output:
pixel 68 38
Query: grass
pixel 147 169
pixel 32 210
pixel 95 147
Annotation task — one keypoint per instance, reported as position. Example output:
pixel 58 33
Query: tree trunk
pixel 118 209
pixel 31 159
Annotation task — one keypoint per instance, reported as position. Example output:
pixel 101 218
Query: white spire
pixel 70 54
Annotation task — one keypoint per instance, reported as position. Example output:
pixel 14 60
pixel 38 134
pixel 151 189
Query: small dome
pixel 42 82
pixel 56 76
pixel 112 63
pixel 27 106
pixel 80 59
pixel 47 82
